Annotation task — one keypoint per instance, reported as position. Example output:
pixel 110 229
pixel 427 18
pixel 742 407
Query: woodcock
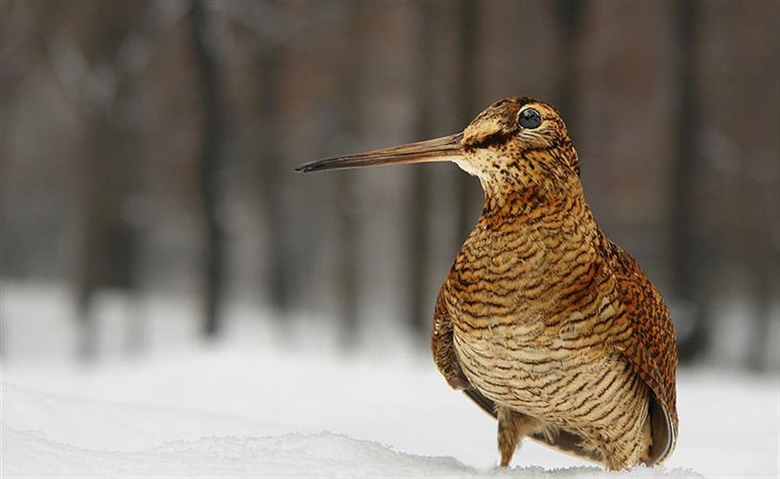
pixel 543 321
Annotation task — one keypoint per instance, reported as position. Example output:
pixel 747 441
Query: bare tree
pixel 348 238
pixel 468 192
pixel 570 18
pixel 419 204
pixel 211 161
pixel 97 62
pixel 686 255
pixel 263 28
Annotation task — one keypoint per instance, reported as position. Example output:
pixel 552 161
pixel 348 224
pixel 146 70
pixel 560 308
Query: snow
pixel 259 404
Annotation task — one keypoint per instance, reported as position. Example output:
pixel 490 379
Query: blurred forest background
pixel 149 146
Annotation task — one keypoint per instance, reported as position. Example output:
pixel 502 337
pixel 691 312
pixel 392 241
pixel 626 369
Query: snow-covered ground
pixel 259 404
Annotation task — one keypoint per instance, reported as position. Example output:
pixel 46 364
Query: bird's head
pixel 515 143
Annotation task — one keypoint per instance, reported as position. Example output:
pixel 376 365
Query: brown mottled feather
pixel 536 239
pixel 542 321
pixel 652 349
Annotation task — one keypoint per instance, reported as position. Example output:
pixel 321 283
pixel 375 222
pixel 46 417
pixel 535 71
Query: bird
pixel 543 321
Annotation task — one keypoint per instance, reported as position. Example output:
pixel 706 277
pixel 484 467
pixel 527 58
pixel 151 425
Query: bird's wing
pixel 651 349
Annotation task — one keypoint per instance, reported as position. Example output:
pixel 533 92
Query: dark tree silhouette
pixel 419 205
pixel 686 255
pixel 468 191
pixel 269 69
pixel 347 252
pixel 211 160
pixel 110 176
pixel 570 15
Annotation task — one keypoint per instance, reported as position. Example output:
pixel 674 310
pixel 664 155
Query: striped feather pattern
pixel 543 317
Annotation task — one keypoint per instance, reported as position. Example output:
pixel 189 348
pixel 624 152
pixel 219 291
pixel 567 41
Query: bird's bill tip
pixel 306 167
pixel 447 148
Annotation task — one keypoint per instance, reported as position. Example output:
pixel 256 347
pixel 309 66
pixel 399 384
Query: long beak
pixel 446 148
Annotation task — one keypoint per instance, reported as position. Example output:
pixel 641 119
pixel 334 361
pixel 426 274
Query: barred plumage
pixel 543 321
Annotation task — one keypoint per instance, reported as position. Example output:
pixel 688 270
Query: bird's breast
pixel 532 317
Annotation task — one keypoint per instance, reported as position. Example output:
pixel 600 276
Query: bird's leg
pixel 512 428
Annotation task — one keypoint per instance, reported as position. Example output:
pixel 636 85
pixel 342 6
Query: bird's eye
pixel 529 118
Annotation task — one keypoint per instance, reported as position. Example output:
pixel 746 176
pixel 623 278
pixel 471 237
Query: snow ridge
pixel 53 435
pixel 33 454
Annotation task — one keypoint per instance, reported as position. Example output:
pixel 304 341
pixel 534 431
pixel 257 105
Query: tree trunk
pixel 686 257
pixel 419 207
pixel 570 19
pixel 347 222
pixel 211 159
pixel 468 193
pixel 111 168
